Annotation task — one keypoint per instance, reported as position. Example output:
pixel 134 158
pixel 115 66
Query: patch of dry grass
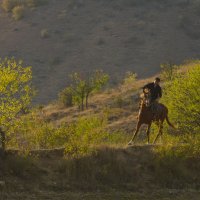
pixel 107 172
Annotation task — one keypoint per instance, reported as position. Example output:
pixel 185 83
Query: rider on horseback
pixel 156 93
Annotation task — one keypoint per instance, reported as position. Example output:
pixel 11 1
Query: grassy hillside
pixel 62 153
pixel 118 36
pixel 139 172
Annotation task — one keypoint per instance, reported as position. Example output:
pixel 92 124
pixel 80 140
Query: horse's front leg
pixel 148 132
pixel 135 133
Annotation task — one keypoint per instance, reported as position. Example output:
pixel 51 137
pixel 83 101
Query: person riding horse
pixel 151 111
pixel 155 92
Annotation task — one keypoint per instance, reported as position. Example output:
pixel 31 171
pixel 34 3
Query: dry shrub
pixel 8 5
pixel 18 12
pixel 44 33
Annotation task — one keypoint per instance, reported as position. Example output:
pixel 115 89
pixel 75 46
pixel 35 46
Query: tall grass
pixel 78 138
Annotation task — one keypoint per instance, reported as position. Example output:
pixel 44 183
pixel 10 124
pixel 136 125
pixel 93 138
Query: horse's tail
pixel 169 123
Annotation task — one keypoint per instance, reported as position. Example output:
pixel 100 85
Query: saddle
pixel 155 108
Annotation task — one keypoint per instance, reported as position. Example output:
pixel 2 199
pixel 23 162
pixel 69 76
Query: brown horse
pixel 146 116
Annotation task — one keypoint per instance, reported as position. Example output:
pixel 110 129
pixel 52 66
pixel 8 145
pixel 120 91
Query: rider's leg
pixel 154 108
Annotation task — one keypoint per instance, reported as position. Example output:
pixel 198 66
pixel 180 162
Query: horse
pixel 146 116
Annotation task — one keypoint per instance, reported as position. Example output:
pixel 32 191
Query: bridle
pixel 146 98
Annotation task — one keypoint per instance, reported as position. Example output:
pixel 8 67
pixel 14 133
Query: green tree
pixel 182 96
pixel 82 87
pixel 94 83
pixel 66 97
pixel 168 71
pixel 16 92
pixel 78 87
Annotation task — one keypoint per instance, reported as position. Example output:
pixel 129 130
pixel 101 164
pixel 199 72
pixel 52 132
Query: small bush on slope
pixel 18 12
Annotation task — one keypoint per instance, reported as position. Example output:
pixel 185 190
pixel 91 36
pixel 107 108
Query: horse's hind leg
pixel 135 134
pixel 147 132
pixel 160 132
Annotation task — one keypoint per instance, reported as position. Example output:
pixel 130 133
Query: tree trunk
pixel 82 102
pixel 87 97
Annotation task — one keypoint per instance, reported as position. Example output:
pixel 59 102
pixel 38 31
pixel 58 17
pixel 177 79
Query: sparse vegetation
pixel 44 33
pixel 35 3
pixel 97 163
pixel 96 158
pixel 18 7
pixel 65 97
pixel 78 138
pixel 8 5
pixel 130 78
pixel 168 71
pixel 18 12
pixel 81 88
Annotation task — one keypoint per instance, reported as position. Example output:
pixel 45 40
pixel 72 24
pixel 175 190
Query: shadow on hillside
pixel 130 169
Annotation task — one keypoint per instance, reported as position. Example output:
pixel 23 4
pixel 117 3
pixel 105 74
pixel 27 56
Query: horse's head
pixel 146 98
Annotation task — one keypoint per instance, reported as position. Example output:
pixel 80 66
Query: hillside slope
pixel 110 173
pixel 116 36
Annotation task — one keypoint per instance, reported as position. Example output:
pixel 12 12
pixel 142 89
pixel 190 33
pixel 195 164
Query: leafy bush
pixel 130 78
pixel 82 87
pixel 33 132
pixel 18 12
pixel 168 71
pixel 66 97
pixel 182 97
pixel 15 90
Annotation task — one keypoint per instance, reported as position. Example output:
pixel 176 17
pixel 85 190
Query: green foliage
pixel 16 91
pixel 78 87
pixel 81 88
pixel 130 78
pixel 174 163
pixel 78 138
pixel 168 71
pixel 94 83
pixel 18 12
pixel 66 97
pixel 86 133
pixel 182 97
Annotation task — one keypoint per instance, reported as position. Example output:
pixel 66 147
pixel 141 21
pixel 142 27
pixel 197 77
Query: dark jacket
pixel 156 90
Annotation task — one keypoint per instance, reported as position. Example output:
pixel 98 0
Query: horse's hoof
pixel 130 143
